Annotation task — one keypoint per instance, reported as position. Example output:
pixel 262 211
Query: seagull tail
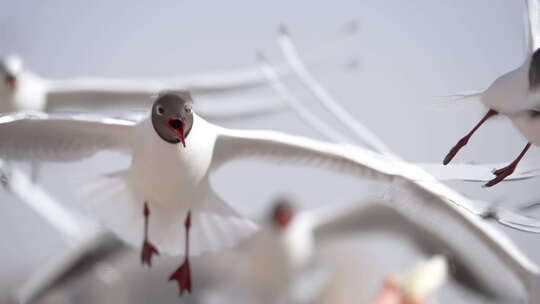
pixel 214 224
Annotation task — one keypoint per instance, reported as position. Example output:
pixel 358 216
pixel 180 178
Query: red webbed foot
pixel 502 173
pixel 183 274
pixel 183 277
pixel 148 250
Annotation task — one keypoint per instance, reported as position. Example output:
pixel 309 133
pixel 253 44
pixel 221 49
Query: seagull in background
pixel 173 152
pixel 515 94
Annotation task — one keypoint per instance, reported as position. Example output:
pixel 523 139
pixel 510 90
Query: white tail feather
pixel 214 225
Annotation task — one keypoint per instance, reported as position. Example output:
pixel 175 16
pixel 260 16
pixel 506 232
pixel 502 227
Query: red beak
pixel 178 127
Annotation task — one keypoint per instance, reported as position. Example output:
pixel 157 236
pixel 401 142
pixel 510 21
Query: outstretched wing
pixel 98 93
pixel 416 184
pixel 46 137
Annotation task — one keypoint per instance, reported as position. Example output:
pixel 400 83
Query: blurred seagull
pixel 418 286
pixel 173 153
pixel 275 257
pixel 515 94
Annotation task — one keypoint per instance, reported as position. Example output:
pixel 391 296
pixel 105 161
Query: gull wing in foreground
pixel 413 183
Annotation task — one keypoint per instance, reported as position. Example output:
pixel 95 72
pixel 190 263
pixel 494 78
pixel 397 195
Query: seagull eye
pixel 160 110
pixel 187 108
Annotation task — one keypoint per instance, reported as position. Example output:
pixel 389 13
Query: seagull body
pixel 515 94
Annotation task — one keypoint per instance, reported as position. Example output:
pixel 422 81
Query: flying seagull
pixel 515 94
pixel 469 243
pixel 166 186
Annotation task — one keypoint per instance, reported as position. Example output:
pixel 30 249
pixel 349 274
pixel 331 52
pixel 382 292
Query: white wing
pixel 416 184
pixel 40 136
pixel 533 29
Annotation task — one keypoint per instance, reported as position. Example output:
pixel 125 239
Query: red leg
pixel 148 250
pixel 183 274
pixel 504 172
pixel 462 142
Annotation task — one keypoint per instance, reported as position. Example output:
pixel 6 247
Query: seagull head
pixel 282 214
pixel 10 67
pixel 172 116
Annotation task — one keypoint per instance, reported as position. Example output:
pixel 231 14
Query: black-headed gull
pixel 172 180
pixel 514 94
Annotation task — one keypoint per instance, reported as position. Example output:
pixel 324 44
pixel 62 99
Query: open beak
pixel 177 126
pixel 11 82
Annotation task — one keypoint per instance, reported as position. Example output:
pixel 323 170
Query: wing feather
pixel 417 185
pixel 26 136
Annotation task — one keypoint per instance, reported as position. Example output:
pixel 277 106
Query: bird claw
pixel 147 252
pixel 183 277
pixel 503 170
pixel 501 174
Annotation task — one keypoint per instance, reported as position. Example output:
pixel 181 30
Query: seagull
pixel 418 286
pixel 166 189
pixel 514 94
pixel 268 264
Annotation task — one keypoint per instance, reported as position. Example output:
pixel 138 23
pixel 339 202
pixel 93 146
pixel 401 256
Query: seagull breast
pixel 167 173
